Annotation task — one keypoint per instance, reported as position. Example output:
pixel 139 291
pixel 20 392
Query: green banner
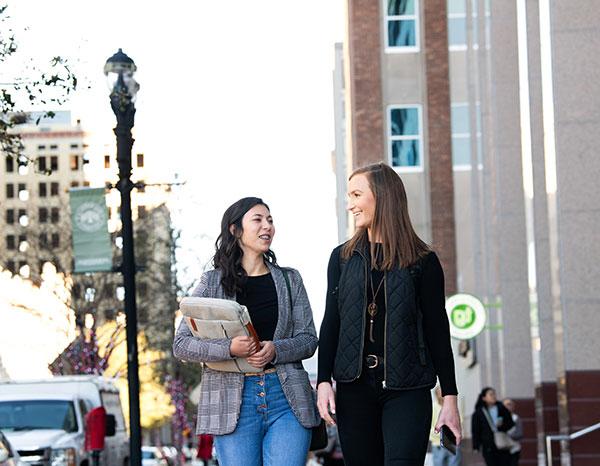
pixel 89 221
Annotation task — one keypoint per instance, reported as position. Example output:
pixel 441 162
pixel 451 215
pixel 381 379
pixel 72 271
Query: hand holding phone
pixel 448 439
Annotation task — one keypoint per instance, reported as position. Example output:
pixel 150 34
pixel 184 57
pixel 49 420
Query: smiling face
pixel 361 201
pixel 257 230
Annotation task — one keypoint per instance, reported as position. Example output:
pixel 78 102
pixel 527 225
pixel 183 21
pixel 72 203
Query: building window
pixel 141 211
pixel 43 240
pixel 74 162
pixel 23 165
pixel 140 160
pixel 11 244
pixel 74 184
pixel 54 163
pixel 55 240
pixel 107 161
pixel 41 164
pixel 41 147
pixel 401 25
pixel 461 135
pixel 23 193
pixel 74 146
pixel 141 186
pixel 10 216
pixel 23 218
pixel 10 164
pixel 404 137
pixel 10 266
pixel 53 189
pixel 457 24
pixel 86 184
pixel 23 245
pixel 42 190
pixel 10 191
pixel 43 215
pixel 54 215
pixel 53 147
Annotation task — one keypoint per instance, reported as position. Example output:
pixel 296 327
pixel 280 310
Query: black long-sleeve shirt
pixel 435 321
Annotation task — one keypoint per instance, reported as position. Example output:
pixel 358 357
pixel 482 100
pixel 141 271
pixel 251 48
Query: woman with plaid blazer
pixel 262 418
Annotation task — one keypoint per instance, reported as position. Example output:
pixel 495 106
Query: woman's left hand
pixel 264 356
pixel 449 416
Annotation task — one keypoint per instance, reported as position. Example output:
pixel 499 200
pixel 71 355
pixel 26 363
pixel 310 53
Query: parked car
pixel 153 456
pixel 44 420
pixel 8 455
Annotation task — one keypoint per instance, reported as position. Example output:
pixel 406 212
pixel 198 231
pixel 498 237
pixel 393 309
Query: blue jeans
pixel 267 432
pixel 442 457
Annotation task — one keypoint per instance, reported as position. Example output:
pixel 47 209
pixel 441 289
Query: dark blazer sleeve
pixel 507 420
pixel 476 430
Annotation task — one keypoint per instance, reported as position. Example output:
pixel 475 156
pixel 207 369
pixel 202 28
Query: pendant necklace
pixel 372 307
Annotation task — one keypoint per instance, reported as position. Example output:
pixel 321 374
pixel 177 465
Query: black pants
pixel 379 426
pixel 495 457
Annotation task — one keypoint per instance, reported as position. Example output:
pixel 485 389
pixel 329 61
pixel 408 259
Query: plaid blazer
pixel 295 339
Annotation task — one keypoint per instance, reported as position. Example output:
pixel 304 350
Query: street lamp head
pixel 119 70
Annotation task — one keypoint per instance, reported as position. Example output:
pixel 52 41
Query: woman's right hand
pixel 243 347
pixel 326 402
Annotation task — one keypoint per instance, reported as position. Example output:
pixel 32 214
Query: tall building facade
pixel 473 103
pixel 34 195
pixel 36 225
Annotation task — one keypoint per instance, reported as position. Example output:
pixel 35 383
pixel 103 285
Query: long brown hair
pixel 391 223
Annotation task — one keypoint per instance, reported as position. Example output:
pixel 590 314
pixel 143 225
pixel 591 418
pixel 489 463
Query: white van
pixel 44 420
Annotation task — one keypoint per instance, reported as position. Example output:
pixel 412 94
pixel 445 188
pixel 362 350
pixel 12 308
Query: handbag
pixel 318 439
pixel 212 318
pixel 501 439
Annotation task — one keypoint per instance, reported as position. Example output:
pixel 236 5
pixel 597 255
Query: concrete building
pixel 474 104
pixel 34 195
pixel 35 221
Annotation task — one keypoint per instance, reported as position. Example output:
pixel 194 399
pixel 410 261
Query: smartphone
pixel 447 439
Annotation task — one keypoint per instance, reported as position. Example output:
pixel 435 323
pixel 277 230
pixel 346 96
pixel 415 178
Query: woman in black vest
pixel 385 336
pixel 489 412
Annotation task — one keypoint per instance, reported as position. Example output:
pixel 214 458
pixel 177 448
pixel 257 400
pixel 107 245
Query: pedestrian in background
pixel 260 418
pixel 441 456
pixel 490 416
pixel 205 448
pixel 385 335
pixel 516 433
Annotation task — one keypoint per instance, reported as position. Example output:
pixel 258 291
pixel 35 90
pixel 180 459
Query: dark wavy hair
pixel 228 255
pixel 480 403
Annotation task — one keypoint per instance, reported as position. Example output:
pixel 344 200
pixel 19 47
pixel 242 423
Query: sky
pixel 236 99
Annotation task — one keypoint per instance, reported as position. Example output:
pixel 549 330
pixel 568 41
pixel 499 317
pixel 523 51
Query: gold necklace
pixel 372 307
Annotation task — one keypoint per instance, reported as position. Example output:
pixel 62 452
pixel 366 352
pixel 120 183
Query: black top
pixel 260 297
pixel 435 322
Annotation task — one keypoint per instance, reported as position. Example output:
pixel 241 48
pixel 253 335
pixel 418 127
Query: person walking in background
pixel 516 433
pixel 205 448
pixel 385 335
pixel 259 418
pixel 490 416
pixel 441 456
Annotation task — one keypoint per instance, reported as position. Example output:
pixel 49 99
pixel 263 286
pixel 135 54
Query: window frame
pixel 414 17
pixel 390 138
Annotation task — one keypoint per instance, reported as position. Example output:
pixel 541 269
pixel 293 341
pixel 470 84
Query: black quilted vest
pixel 407 362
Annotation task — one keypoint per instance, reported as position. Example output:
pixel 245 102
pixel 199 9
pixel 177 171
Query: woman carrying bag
pixel 258 418
pixel 385 336
pixel 489 424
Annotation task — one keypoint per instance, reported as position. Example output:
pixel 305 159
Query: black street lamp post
pixel 120 69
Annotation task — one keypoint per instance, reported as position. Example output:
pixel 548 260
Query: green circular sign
pixel 466 315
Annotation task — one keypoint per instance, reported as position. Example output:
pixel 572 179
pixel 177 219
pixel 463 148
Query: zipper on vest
pixel 385 330
pixel 364 321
